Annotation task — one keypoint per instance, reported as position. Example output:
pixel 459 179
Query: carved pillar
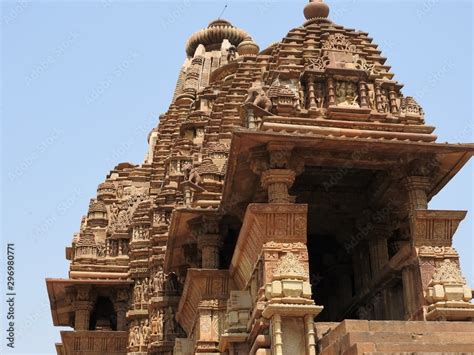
pixel 417 187
pixel 378 247
pixel 277 335
pixel 277 182
pixel 311 94
pixel 310 335
pixel 331 92
pixel 378 97
pixel 363 94
pixel 210 312
pixel 121 307
pixel 393 101
pixel 412 293
pixel 210 244
pixel 121 310
pixel 83 306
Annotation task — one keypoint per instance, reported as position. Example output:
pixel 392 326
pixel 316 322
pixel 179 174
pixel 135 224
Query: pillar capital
pixel 210 245
pixel 277 182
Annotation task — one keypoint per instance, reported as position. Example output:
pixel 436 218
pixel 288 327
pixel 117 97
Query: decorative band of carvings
pixel 435 228
pixel 265 224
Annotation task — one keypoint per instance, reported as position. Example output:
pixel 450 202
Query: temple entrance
pixel 346 249
pixel 103 317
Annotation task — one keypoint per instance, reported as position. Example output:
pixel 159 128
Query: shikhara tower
pixel 284 192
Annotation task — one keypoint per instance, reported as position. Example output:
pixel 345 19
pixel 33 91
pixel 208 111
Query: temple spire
pixel 316 9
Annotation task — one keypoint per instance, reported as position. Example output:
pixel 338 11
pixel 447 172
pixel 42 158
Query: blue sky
pixel 83 82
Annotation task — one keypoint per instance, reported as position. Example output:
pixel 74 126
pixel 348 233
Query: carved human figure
pixel 340 92
pixel 371 97
pixel 124 245
pixel 138 294
pixel 384 104
pixel 101 250
pixel 258 97
pixel 145 294
pixel 231 53
pixel 145 333
pixel 158 282
pixel 187 170
pixel 319 96
pixel 134 338
pixel 194 175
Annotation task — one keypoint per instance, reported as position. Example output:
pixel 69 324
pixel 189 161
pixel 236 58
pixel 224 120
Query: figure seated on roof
pixel 231 54
pixel 258 96
pixel 191 173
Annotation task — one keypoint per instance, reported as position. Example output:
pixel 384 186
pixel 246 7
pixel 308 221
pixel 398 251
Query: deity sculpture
pixel 145 333
pixel 158 281
pixel 319 96
pixel 346 94
pixel 258 96
pixel 371 97
pixel 138 294
pixel 145 295
pixel 384 104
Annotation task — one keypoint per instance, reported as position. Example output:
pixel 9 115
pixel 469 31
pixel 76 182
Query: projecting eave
pixel 179 235
pixel 60 301
pixel 330 152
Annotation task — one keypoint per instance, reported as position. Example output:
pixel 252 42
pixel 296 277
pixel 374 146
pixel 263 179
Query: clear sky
pixel 83 82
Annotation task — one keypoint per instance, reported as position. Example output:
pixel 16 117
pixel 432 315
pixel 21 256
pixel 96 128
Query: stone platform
pixel 354 337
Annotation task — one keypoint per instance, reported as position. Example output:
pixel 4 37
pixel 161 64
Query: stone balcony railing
pixel 94 342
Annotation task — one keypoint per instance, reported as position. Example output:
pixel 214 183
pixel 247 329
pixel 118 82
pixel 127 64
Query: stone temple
pixel 282 208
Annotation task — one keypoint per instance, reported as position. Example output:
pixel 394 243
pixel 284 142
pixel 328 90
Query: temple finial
pixel 316 9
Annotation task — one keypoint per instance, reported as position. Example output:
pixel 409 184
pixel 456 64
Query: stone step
pixel 416 353
pixel 365 337
pixel 356 326
pixel 416 348
pixel 411 338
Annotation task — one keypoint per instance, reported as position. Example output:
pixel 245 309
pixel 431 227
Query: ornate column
pixel 434 288
pixel 121 307
pixel 393 101
pixel 209 239
pixel 311 94
pixel 278 167
pixel 277 335
pixel 378 97
pixel 331 92
pixel 83 306
pixel 210 244
pixel 417 187
pixel 378 246
pixel 363 94
pixel 277 182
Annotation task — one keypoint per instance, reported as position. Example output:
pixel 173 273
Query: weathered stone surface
pixel 283 191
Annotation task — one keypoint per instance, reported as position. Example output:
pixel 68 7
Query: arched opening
pixel 103 316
